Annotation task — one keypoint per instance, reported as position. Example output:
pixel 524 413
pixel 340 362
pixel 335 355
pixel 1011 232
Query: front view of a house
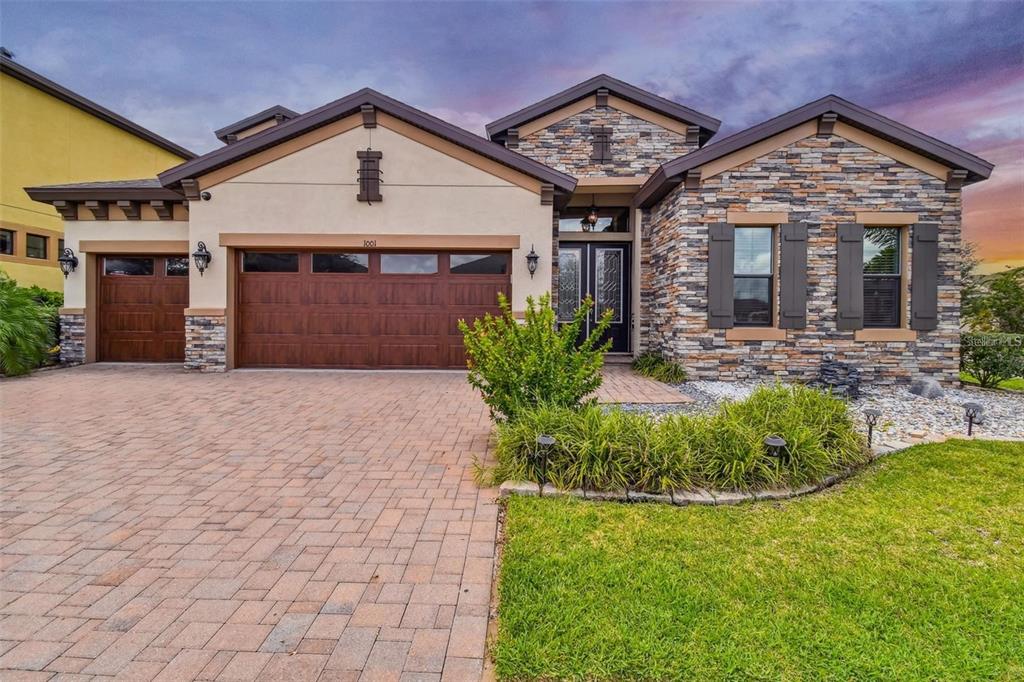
pixel 356 235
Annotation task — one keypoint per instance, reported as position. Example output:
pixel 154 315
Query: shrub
pixel 26 331
pixel 992 358
pixel 520 365
pixel 655 366
pixel 612 450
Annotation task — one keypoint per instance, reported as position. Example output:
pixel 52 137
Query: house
pixel 359 233
pixel 49 135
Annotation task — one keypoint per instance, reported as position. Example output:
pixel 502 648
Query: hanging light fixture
pixel 590 220
pixel 68 261
pixel 531 261
pixel 202 257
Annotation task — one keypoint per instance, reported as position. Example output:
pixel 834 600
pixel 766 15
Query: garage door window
pixel 255 261
pixel 341 262
pixel 408 263
pixel 177 266
pixel 129 267
pixel 479 264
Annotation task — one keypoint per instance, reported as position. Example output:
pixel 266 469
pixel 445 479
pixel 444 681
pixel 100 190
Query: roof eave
pixel 47 195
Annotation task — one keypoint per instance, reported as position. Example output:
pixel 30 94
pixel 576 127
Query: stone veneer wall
pixel 72 338
pixel 638 147
pixel 206 343
pixel 821 182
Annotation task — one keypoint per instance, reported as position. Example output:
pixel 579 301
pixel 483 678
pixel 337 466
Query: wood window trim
pixel 883 334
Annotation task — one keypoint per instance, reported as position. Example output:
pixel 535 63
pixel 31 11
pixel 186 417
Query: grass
pixel 1009 384
pixel 913 570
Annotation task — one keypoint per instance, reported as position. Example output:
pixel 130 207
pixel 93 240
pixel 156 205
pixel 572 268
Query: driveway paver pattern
pixel 298 525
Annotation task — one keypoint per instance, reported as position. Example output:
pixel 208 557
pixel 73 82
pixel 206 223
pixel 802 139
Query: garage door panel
pixel 410 323
pixel 260 353
pixel 271 321
pixel 270 289
pixel 350 290
pixel 410 355
pixel 125 321
pixel 340 323
pixel 424 293
pixel 478 294
pixel 140 310
pixel 341 355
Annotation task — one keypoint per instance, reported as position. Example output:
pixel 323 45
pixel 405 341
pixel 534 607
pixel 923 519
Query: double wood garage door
pixel 367 309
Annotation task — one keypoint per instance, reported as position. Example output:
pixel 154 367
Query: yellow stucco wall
pixel 45 141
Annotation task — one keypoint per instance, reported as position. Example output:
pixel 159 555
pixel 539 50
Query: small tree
pixel 523 364
pixel 1005 300
pixel 992 358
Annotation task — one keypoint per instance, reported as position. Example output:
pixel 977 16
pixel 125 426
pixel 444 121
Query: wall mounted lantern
pixel 531 261
pixel 973 411
pixel 871 416
pixel 202 257
pixel 68 261
pixel 776 445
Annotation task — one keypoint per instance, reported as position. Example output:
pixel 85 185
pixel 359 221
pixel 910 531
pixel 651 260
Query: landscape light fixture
pixel 871 416
pixel 68 261
pixel 540 456
pixel 531 261
pixel 973 411
pixel 202 257
pixel 775 446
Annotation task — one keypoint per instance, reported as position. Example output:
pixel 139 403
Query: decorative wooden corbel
pixel 230 138
pixel 826 123
pixel 692 180
pixel 98 209
pixel 692 134
pixel 369 115
pixel 602 98
pixel 190 187
pixel 512 138
pixel 547 194
pixel 68 209
pixel 164 209
pixel 955 179
pixel 130 209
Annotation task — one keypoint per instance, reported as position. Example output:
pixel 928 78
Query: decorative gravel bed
pixel 906 417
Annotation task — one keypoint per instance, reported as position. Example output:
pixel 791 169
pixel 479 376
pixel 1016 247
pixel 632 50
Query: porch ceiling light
pixel 531 261
pixel 68 261
pixel 590 220
pixel 202 257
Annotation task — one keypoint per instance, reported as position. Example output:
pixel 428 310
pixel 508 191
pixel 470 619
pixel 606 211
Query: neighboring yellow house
pixel 50 135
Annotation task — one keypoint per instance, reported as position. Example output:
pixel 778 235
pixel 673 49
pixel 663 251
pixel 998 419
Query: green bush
pixel 655 366
pixel 991 357
pixel 725 450
pixel 518 365
pixel 26 329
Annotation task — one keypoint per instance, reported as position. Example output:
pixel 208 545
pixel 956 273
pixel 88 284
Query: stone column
pixel 72 338
pixel 206 343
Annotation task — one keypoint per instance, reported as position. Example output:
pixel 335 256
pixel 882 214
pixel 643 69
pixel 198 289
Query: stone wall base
pixel 206 343
pixel 72 338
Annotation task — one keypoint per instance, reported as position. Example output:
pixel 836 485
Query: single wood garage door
pixel 369 309
pixel 141 308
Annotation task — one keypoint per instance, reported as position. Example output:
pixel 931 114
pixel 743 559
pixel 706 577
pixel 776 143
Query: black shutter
pixel 369 176
pixel 602 145
pixel 924 277
pixel 793 277
pixel 721 247
pixel 850 276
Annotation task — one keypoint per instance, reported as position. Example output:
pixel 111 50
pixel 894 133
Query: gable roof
pixel 249 121
pixel 648 100
pixel 671 173
pixel 16 70
pixel 348 105
pixel 142 189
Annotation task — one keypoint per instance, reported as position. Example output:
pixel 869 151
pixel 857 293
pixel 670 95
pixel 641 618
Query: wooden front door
pixel 362 309
pixel 602 271
pixel 141 308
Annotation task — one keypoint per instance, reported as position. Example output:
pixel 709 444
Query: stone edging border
pixel 699 495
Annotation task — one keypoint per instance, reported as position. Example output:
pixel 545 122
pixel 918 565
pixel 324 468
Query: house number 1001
pixel 369 243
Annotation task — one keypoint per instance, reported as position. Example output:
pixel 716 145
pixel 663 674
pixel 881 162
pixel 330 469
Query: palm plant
pixel 26 334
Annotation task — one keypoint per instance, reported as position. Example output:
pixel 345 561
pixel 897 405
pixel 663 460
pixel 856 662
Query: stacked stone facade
pixel 206 343
pixel 638 147
pixel 821 182
pixel 72 338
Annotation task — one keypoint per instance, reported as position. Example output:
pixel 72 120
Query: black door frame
pixel 620 332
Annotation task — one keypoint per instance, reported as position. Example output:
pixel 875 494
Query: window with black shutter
pixel 753 271
pixel 883 281
pixel 602 144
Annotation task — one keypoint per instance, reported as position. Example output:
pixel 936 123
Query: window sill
pixel 885 335
pixel 755 334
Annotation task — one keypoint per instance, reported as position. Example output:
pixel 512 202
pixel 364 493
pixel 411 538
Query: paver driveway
pixel 271 525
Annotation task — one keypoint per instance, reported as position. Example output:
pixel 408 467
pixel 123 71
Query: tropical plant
pixel 26 329
pixel 654 365
pixel 518 365
pixel 992 358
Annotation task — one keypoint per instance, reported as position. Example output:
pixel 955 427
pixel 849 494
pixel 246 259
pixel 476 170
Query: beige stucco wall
pixel 425 191
pixel 137 231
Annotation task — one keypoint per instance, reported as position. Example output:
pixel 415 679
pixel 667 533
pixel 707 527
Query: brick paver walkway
pixel 622 385
pixel 253 525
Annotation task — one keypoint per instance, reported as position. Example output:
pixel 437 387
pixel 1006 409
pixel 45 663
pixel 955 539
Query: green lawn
pixel 913 569
pixel 1009 384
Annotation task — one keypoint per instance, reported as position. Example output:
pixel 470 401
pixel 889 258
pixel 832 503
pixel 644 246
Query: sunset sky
pixel 954 70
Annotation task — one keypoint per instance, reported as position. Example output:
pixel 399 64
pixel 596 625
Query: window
pixel 479 264
pixel 130 267
pixel 341 262
pixel 882 277
pixel 60 247
pixel 608 220
pixel 570 282
pixel 7 242
pixel 259 261
pixel 35 246
pixel 176 266
pixel 408 263
pixel 752 277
